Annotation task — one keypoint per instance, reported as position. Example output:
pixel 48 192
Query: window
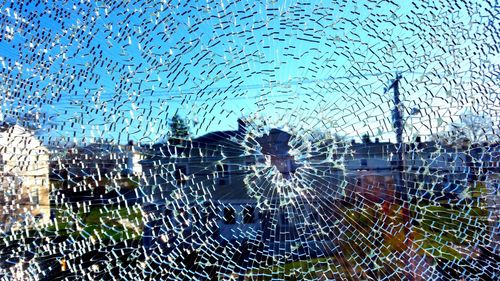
pixel 167 221
pixel 208 212
pixel 182 217
pixel 222 174
pixel 229 215
pixel 38 218
pixel 364 162
pixel 249 165
pixel 248 214
pixel 180 174
pixel 35 198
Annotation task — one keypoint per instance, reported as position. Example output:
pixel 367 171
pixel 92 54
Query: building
pixel 24 169
pixel 211 186
pixel 199 180
pixel 235 185
pixel 429 170
pixel 96 172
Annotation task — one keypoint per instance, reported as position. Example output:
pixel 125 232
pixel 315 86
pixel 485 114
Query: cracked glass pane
pixel 249 140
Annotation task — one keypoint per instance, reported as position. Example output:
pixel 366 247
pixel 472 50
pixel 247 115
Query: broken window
pixel 249 140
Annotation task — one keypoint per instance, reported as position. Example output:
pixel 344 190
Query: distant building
pixel 202 177
pixel 89 172
pixel 428 169
pixel 225 178
pixel 209 186
pixel 436 171
pixel 24 172
pixel 98 159
pixel 133 154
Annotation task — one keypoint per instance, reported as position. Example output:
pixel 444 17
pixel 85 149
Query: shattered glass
pixel 249 140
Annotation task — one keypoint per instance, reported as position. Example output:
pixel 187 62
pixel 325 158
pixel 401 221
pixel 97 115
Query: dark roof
pixel 4 126
pixel 219 136
pixel 367 149
pixel 230 140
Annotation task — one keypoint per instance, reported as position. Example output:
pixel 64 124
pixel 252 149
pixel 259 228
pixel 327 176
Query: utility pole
pixel 401 190
pixel 397 120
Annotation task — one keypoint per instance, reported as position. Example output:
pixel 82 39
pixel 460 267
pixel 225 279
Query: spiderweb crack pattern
pixel 249 140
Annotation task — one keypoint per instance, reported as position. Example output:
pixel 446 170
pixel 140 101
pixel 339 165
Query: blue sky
pixel 121 71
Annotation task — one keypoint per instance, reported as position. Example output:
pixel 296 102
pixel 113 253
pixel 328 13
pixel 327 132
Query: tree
pixel 179 128
pixel 472 128
pixel 366 138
